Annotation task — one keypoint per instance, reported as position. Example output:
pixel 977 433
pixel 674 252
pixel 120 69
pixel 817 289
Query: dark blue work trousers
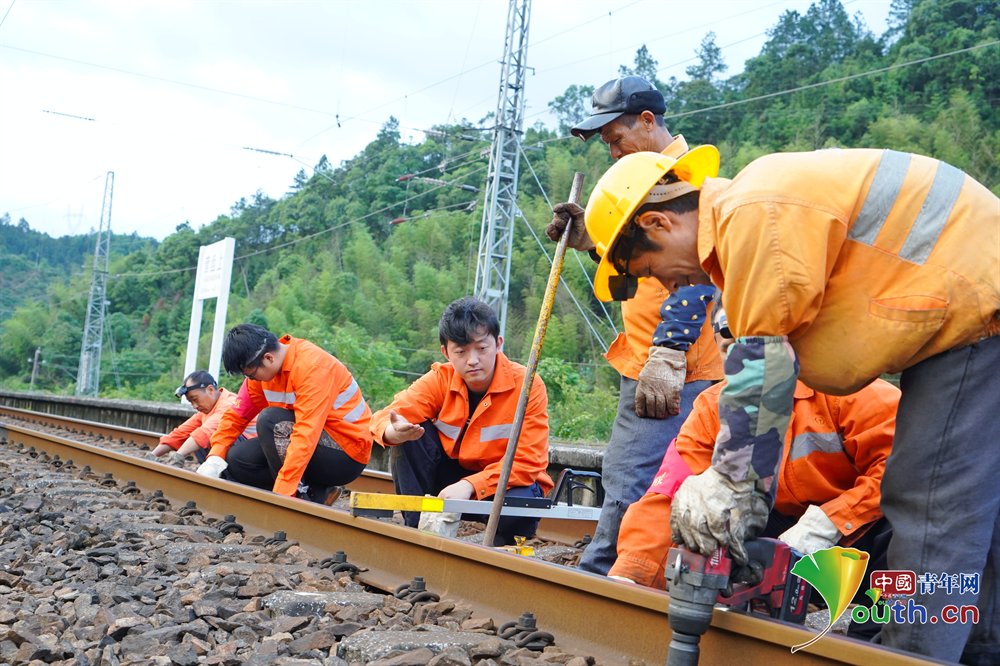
pixel 421 467
pixel 631 460
pixel 941 492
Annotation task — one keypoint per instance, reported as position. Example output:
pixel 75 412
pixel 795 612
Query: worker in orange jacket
pixel 837 266
pixel 828 481
pixel 666 356
pixel 312 420
pixel 450 427
pixel 210 402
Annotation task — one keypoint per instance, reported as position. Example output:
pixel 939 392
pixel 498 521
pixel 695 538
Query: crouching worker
pixel 828 482
pixel 312 421
pixel 211 401
pixel 450 427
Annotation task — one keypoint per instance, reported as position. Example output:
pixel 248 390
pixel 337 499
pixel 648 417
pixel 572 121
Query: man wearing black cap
pixel 211 402
pixel 628 114
pixel 664 360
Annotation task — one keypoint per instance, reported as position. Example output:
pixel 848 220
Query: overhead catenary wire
pixel 583 270
pixel 300 239
pixel 458 75
pixel 841 79
pixel 582 310
pixel 7 13
pixel 818 84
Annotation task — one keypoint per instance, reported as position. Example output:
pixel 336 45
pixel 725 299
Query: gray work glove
pixel 445 523
pixel 813 531
pixel 711 511
pixel 175 458
pixel 578 237
pixel 658 394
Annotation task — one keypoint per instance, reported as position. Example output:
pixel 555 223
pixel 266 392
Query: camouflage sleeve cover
pixel 683 313
pixel 754 409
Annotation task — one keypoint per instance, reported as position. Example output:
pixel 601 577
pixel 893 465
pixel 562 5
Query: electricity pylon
pixel 88 376
pixel 496 236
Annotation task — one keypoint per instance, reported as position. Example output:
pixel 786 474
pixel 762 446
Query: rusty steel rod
pixel 532 365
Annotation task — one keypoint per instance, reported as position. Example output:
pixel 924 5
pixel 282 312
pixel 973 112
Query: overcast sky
pixel 168 93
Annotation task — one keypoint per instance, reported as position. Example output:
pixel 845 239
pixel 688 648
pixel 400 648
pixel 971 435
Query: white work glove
pixel 623 579
pixel 213 466
pixel 710 510
pixel 445 523
pixel 814 531
pixel 578 237
pixel 658 394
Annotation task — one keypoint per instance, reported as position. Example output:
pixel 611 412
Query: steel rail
pixel 589 614
pixel 371 481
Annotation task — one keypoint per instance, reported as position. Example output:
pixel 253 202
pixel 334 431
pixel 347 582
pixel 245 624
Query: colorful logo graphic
pixel 893 583
pixel 836 573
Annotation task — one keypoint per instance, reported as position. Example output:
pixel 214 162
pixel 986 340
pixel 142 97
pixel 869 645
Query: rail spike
pixel 338 563
pixel 228 525
pixel 415 592
pixel 525 634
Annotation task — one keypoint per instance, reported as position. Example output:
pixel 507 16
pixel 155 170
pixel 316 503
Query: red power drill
pixel 766 584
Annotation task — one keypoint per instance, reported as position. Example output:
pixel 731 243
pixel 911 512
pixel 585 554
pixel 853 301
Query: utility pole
pixel 88 376
pixel 496 236
pixel 34 366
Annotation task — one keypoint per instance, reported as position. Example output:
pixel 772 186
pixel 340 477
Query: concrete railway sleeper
pixel 591 618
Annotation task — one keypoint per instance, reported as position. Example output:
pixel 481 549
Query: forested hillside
pixel 362 259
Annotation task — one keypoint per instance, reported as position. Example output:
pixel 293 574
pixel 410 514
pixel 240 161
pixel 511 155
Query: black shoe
pixel 326 495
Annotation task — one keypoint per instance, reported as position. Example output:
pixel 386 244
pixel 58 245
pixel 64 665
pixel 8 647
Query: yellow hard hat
pixel 622 189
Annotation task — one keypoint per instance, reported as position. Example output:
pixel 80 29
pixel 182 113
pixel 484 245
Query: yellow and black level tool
pixel 380 505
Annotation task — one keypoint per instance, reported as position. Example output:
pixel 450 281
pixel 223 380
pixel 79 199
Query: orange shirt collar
pixel 676 148
pixel 803 392
pixel 290 353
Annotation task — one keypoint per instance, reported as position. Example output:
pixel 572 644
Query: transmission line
pixel 583 270
pixel 312 235
pixel 849 77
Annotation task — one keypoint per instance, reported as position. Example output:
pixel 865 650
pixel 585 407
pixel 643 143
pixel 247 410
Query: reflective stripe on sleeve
pixel 280 396
pixel 356 413
pixel 346 395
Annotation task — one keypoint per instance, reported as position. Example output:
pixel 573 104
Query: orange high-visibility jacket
pixel 201 426
pixel 870 261
pixel 480 442
pixel 834 456
pixel 641 316
pixel 324 396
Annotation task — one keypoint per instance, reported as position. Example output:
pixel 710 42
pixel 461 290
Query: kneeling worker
pixel 834 454
pixel 312 421
pixel 451 425
pixel 211 401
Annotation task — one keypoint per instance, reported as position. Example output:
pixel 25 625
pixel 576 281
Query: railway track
pixel 587 614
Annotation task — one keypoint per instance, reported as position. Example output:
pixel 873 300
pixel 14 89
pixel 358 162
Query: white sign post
pixel 215 271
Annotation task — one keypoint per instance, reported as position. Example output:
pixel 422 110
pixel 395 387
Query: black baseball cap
pixel 182 390
pixel 629 94
pixel 199 379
